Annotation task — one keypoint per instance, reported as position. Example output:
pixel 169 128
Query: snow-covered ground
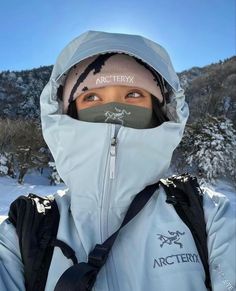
pixel 37 184
pixel 34 183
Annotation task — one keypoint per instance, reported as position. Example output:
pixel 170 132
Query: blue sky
pixel 194 32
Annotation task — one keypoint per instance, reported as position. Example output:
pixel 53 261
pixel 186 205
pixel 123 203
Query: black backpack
pixel 36 220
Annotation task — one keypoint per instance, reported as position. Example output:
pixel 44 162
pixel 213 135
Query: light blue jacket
pixel 95 203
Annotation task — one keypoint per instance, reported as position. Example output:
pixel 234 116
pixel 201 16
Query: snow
pixel 39 184
pixel 34 183
pixel 222 188
pixel 3 170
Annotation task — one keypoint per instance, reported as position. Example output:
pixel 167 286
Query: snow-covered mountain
pixel 20 91
pixel 211 90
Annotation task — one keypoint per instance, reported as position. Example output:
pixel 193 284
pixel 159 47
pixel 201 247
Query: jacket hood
pixel 92 43
pixel 82 150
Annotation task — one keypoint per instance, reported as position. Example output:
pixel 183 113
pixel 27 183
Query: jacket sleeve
pixel 11 266
pixel 221 232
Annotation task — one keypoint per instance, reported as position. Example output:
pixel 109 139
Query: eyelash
pixel 86 97
pixel 140 94
pixel 91 94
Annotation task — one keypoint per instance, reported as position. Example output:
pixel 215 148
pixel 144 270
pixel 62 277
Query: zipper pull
pixel 113 157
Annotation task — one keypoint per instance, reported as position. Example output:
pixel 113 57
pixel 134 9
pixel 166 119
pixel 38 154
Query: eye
pixel 134 94
pixel 91 97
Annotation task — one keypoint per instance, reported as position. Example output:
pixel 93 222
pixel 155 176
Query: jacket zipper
pixel 113 157
pixel 110 174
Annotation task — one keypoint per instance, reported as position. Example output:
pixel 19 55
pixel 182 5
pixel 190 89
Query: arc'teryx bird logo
pixel 118 115
pixel 42 206
pixel 173 238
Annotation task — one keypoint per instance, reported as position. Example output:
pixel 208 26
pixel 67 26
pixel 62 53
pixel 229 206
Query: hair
pixel 72 110
pixel 157 108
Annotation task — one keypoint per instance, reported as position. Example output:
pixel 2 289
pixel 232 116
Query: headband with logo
pixel 111 69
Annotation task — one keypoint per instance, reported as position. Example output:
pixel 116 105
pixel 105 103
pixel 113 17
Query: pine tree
pixel 210 148
pixel 54 178
pixel 3 165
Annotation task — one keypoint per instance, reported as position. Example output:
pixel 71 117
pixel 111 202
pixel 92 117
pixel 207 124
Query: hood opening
pixel 165 87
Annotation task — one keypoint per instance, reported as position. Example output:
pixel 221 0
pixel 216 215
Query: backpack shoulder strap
pixel 36 221
pixel 185 194
pixel 82 276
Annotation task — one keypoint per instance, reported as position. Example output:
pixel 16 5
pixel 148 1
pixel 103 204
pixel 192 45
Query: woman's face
pixel 121 94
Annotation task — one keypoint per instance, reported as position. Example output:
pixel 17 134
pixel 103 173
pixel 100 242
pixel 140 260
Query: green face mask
pixel 119 113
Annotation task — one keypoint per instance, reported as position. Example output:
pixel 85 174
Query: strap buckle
pixel 98 256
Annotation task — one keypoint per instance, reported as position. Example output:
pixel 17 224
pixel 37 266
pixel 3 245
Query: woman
pixel 112 114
